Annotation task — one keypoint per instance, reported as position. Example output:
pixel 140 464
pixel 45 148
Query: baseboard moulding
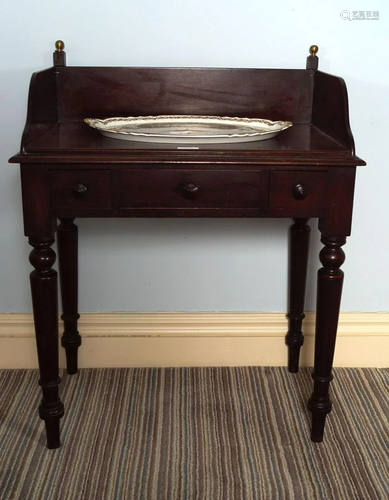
pixel 197 339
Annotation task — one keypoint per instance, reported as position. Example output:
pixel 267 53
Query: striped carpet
pixel 195 433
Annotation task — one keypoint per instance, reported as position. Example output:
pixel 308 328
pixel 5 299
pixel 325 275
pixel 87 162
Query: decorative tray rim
pixel 113 124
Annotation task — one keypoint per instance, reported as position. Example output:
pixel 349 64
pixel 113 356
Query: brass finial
pixel 59 46
pixel 313 49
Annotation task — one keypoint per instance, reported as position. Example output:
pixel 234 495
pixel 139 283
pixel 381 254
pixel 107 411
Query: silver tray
pixel 178 129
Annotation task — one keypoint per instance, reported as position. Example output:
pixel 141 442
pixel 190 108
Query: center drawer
pixel 191 189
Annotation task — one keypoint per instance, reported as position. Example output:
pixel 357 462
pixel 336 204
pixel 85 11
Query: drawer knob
pixel 79 190
pixel 190 190
pixel 300 192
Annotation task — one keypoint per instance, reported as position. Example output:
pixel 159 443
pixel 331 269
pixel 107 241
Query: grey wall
pixel 199 265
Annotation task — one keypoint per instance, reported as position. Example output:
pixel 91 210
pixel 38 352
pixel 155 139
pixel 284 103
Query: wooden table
pixel 69 170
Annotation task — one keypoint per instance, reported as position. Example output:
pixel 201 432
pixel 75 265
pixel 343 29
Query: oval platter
pixel 193 129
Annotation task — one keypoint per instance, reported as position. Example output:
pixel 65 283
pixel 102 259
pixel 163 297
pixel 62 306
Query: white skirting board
pixel 197 339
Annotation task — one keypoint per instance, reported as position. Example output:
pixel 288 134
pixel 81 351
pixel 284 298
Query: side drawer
pixel 81 189
pixel 191 189
pixel 298 190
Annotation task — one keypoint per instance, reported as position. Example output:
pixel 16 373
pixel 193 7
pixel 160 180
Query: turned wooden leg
pixel 45 305
pixel 67 240
pixel 298 263
pixel 329 292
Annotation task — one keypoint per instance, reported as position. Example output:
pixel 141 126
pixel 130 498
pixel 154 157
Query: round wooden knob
pixel 190 190
pixel 300 192
pixel 79 191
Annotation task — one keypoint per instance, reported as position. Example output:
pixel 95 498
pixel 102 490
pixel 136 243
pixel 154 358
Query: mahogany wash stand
pixel 69 170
